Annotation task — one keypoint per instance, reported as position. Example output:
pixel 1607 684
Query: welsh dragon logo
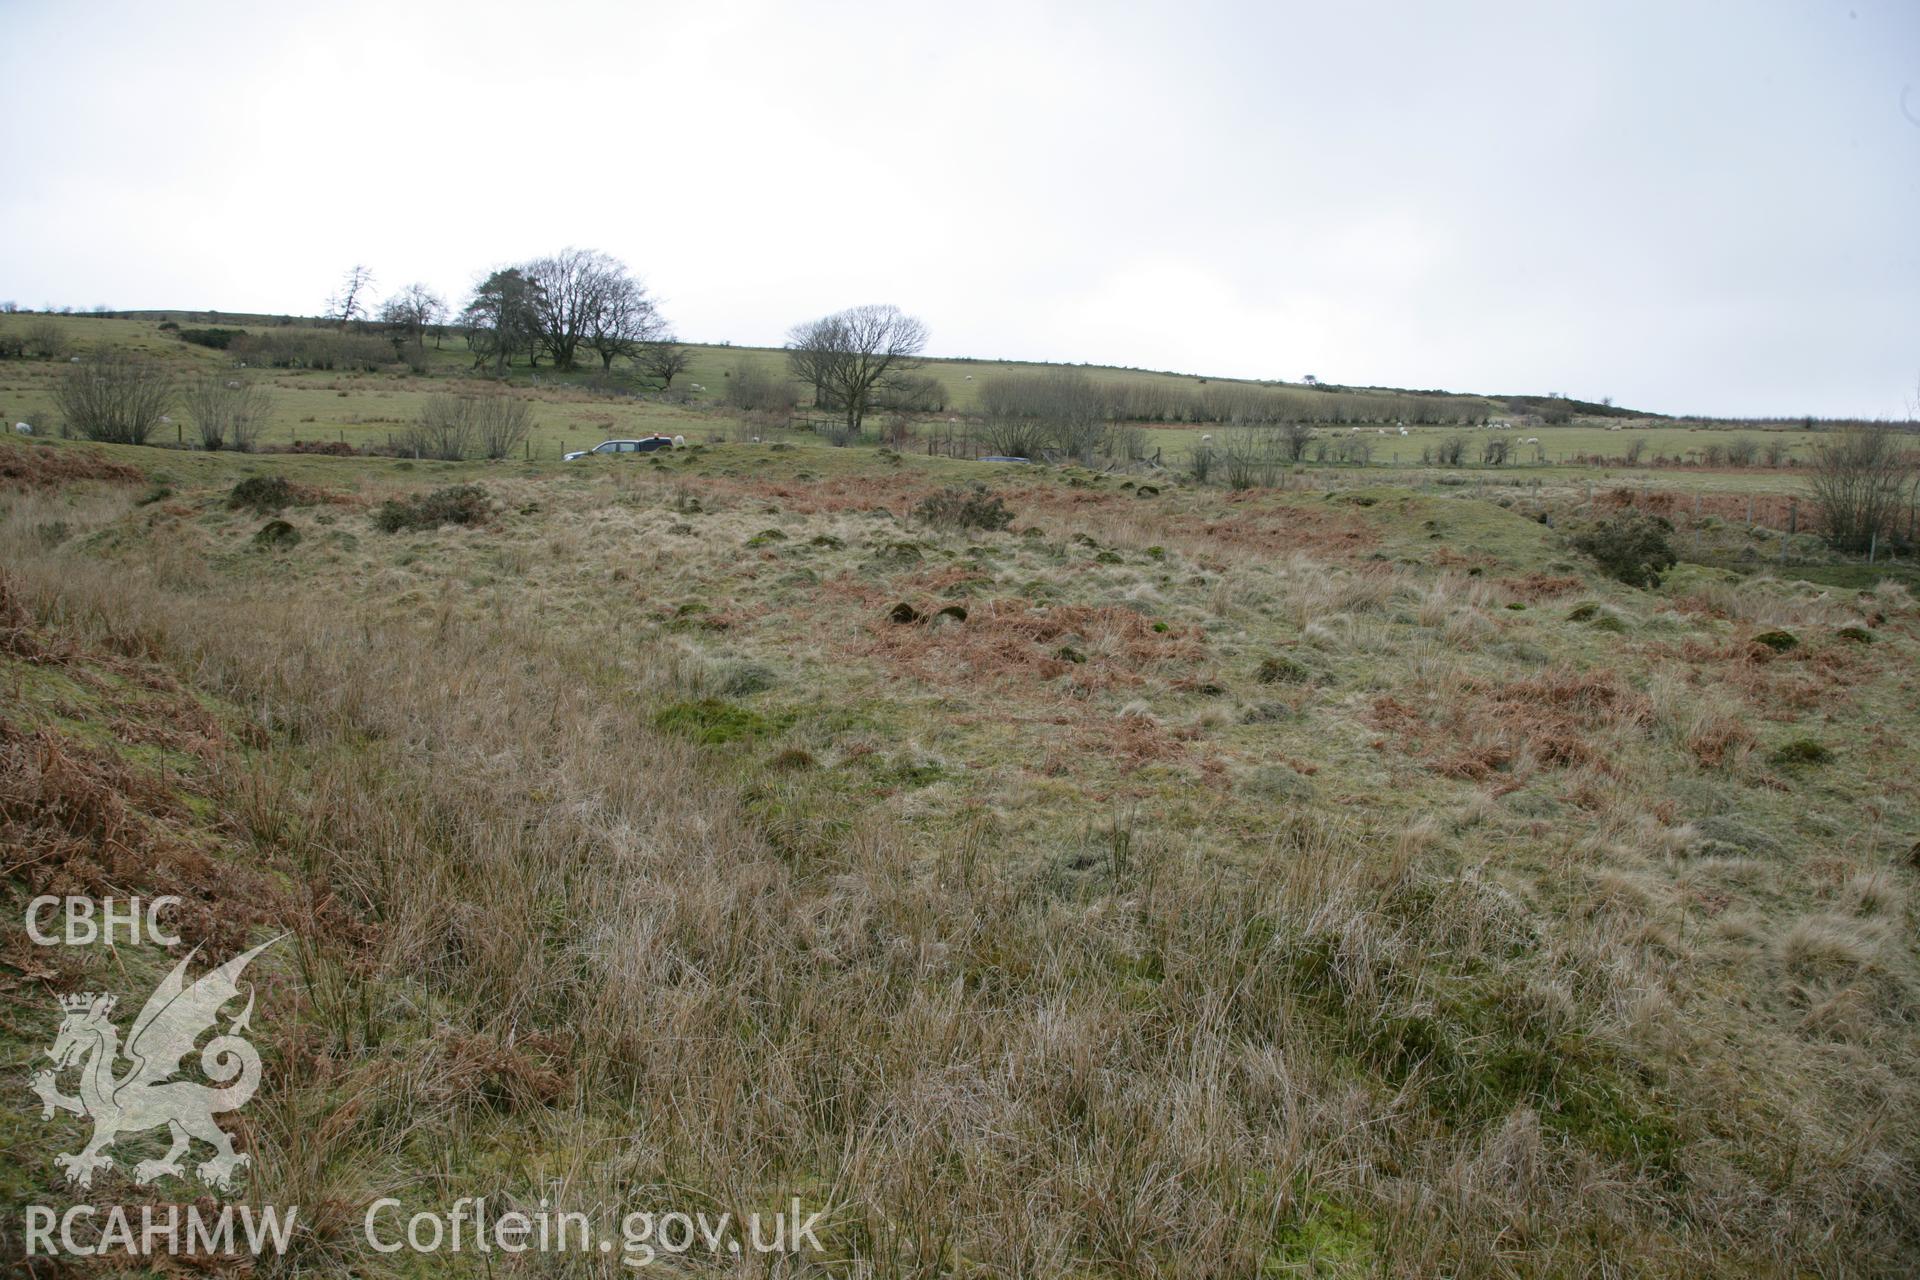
pixel 146 1095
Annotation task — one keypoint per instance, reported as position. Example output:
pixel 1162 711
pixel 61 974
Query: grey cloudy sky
pixel 1689 206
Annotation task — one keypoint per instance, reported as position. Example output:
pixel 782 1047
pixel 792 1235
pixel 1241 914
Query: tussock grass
pixel 705 876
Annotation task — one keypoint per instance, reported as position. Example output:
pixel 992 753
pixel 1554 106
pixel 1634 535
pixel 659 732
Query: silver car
pixel 645 444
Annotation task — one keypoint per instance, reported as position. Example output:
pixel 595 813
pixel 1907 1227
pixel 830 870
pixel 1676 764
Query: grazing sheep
pixel 696 386
pixel 21 428
pixel 679 442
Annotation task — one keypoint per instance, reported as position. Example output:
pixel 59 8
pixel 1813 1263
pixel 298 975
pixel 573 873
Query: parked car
pixel 645 444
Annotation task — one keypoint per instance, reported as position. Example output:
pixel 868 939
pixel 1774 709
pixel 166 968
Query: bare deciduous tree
pixel 500 423
pixel 584 298
pixel 625 321
pixel 349 302
pixel 1294 439
pixel 47 338
pixel 844 356
pixel 113 397
pixel 1861 483
pixel 663 360
pixel 451 427
pixel 410 313
pixel 228 413
pixel 1251 457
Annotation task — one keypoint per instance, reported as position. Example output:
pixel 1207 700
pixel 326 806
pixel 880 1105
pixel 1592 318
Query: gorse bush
pixel 262 495
pixel 113 398
pixel 464 504
pixel 1632 546
pixel 217 339
pixel 972 508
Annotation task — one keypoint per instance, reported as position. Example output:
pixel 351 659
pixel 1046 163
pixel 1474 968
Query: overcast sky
pixel 1691 207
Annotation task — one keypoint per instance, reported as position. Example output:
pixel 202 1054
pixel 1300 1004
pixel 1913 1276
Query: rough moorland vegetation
pixel 1162 880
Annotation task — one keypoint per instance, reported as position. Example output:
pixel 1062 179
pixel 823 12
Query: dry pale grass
pixel 1342 1047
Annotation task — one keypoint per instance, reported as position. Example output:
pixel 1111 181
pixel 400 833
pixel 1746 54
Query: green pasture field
pixel 373 409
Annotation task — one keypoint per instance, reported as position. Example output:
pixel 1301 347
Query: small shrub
pixel 792 760
pixel 1281 669
pixel 262 495
pixel 758 390
pixel 1858 635
pixel 276 535
pixel 972 508
pixel 1631 546
pixel 713 723
pixel 113 398
pixel 451 426
pixel 216 339
pixel 1800 751
pixel 227 412
pixel 1777 640
pixel 461 504
pixel 46 339
pixel 741 679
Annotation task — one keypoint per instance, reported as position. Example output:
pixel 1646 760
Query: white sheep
pixel 679 442
pixel 696 386
pixel 21 428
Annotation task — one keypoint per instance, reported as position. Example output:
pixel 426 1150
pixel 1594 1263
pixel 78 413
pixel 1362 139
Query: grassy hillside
pixel 373 409
pixel 711 366
pixel 1343 879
